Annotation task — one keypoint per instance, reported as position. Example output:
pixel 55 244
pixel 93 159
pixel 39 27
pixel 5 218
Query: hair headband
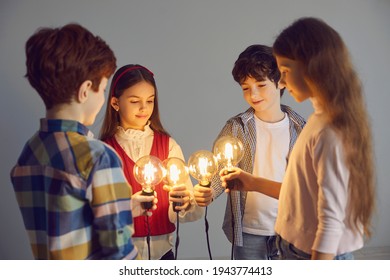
pixel 126 71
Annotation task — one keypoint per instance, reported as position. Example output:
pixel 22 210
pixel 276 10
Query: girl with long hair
pixel 327 197
pixel 133 128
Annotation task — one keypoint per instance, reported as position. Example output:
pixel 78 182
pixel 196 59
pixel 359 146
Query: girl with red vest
pixel 133 128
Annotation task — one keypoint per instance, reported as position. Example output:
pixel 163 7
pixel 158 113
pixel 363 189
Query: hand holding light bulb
pixel 245 178
pixel 148 171
pixel 202 166
pixel 137 202
pixel 228 151
pixel 175 182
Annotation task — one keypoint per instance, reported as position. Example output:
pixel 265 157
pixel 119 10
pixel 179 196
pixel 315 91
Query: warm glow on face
pixel 136 105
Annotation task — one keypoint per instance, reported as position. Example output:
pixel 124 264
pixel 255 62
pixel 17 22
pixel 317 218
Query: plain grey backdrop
pixel 191 47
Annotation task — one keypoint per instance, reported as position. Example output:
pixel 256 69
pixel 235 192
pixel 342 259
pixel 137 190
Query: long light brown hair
pixel 329 68
pixel 124 78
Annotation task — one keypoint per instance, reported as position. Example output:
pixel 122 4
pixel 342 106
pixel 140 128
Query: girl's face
pixel 263 96
pixel 135 105
pixel 293 78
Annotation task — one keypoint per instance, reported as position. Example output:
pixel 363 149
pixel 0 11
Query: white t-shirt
pixel 272 146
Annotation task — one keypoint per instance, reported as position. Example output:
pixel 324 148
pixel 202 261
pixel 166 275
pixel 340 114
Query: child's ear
pixel 114 103
pixel 281 86
pixel 84 90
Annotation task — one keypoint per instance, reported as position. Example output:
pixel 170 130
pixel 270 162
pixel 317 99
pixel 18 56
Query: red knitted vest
pixel 159 222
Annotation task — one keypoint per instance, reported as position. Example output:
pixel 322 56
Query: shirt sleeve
pixel 333 179
pixel 109 195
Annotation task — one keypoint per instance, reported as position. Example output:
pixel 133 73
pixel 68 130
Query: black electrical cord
pixel 206 223
pixel 148 236
pixel 233 239
pixel 230 185
pixel 147 206
pixel 177 235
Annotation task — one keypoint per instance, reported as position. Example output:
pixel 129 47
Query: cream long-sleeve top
pixel 136 144
pixel 314 201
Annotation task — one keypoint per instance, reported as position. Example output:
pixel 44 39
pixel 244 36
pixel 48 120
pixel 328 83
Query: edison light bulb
pixel 202 165
pixel 176 173
pixel 229 151
pixel 148 171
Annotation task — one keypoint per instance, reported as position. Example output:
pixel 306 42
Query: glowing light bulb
pixel 229 151
pixel 202 165
pixel 176 173
pixel 148 171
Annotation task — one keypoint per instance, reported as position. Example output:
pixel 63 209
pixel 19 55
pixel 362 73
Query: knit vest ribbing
pixel 159 221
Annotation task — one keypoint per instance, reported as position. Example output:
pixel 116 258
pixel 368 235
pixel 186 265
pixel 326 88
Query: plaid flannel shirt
pixel 73 196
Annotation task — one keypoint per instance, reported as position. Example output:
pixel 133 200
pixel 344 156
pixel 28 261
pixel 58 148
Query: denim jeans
pixel 256 247
pixel 290 252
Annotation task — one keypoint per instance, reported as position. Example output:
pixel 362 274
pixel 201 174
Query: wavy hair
pixel 329 69
pixel 257 61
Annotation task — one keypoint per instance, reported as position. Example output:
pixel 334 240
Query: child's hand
pixel 234 173
pixel 181 195
pixel 203 195
pixel 136 204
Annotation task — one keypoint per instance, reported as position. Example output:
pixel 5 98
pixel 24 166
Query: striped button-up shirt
pixel 73 196
pixel 243 127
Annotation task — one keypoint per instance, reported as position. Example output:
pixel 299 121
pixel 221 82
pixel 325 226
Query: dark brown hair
pixel 258 62
pixel 124 78
pixel 59 60
pixel 329 69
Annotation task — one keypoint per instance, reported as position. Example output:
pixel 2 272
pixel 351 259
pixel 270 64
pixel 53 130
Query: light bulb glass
pixel 229 151
pixel 176 171
pixel 202 165
pixel 148 171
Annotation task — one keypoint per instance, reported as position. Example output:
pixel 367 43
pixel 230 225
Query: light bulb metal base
pixel 205 184
pixel 174 204
pixel 149 204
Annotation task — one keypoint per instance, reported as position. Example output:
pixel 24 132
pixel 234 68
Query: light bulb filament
pixel 174 173
pixel 203 166
pixel 229 155
pixel 149 171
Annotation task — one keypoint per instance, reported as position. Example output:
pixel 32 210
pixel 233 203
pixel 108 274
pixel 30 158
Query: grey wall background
pixel 191 47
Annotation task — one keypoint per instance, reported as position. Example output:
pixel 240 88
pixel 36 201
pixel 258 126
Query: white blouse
pixel 136 144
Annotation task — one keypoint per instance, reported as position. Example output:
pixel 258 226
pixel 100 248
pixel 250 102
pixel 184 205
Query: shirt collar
pixel 58 125
pixel 248 115
pixel 134 134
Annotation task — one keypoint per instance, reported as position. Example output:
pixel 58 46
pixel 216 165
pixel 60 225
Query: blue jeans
pixel 256 247
pixel 290 252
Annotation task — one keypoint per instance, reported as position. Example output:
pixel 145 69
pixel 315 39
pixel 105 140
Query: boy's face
pixel 136 105
pixel 262 96
pixel 293 78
